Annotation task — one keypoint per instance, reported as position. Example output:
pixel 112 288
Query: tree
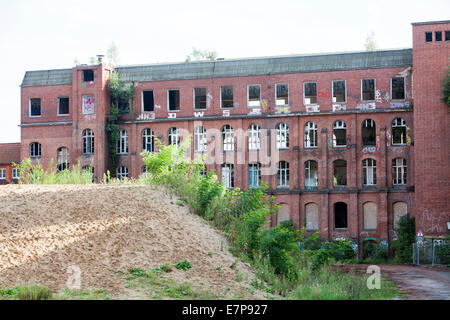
pixel 446 87
pixel 370 42
pixel 198 55
pixel 112 54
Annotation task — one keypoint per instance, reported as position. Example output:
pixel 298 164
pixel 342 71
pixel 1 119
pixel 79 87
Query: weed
pixel 183 265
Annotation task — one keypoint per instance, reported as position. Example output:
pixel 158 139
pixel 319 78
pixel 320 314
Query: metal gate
pixel 431 251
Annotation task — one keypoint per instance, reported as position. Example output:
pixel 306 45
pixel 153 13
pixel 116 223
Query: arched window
pixel 398 131
pixel 282 136
pixel 398 171
pixel 310 174
pixel 340 215
pixel 254 174
pixel 227 138
pixel 370 216
pixel 368 133
pixel 340 173
pixel 283 174
pixel 369 172
pixel 174 137
pixel 310 135
pixel 148 140
pixel 88 141
pixel 35 150
pixel 122 143
pixel 200 139
pixel 227 175
pixel 400 209
pixel 63 158
pixel 122 172
pixel 312 216
pixel 254 137
pixel 339 134
pixel 284 213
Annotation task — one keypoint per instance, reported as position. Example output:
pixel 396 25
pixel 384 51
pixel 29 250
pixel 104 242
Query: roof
pixel 240 67
pixel 430 22
pixel 9 152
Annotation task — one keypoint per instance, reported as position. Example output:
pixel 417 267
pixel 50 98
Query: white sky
pixel 36 35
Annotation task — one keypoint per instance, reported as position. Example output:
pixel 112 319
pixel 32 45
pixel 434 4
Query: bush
pixel 183 265
pixel 34 292
pixel 406 237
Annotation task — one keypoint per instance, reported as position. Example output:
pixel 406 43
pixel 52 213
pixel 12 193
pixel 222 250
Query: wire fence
pixel 431 251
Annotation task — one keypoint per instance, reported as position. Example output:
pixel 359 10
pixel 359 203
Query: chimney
pixel 100 57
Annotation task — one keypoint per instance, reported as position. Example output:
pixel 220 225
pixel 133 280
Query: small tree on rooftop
pixel 446 87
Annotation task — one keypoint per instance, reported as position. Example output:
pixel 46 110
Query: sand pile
pixel 48 231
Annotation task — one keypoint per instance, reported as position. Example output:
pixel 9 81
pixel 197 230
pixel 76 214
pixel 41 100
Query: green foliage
pixel 208 188
pixel 183 265
pixel 166 267
pixel 33 292
pixel 443 252
pixel 446 87
pixel 198 55
pixel 406 237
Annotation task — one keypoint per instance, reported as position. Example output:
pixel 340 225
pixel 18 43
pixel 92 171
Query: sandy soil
pixel 45 230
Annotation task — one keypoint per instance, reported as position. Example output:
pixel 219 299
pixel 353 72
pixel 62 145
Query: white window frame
pixel 122 143
pixel 339 125
pixel 62 156
pixel 122 172
pixel 200 139
pixel 276 92
pixel 255 104
pixel 282 130
pixel 254 137
pixel 401 172
pixel 395 124
pixel 63 114
pixel 142 101
pixel 310 126
pixel 148 139
pixel 404 89
pixel 304 94
pixel 308 176
pixel 2 173
pixel 173 135
pixel 227 175
pixel 369 166
pixel 232 88
pixel 374 89
pixel 252 167
pixel 88 139
pixel 227 138
pixel 33 154
pixel 332 91
pixel 29 108
pixel 179 107
pixel 15 173
pixel 283 175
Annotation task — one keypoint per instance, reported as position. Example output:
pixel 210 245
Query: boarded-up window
pixel 284 213
pixel 312 216
pixel 400 209
pixel 370 216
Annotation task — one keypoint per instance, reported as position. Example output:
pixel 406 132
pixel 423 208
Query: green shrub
pixel 183 265
pixel 34 292
pixel 208 188
pixel 406 237
pixel 368 250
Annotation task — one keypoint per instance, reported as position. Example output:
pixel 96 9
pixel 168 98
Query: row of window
pixel 15 173
pixel 437 36
pixel 369 173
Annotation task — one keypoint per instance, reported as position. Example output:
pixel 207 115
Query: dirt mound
pixel 48 231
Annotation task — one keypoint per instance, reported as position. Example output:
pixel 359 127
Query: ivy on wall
pixel 446 88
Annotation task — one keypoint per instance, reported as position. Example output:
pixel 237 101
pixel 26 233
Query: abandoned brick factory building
pixel 347 142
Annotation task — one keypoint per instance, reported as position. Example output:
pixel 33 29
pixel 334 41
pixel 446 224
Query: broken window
pixel 369 172
pixel 174 99
pixel 310 92
pixel 447 35
pixel 339 91
pixel 283 174
pixel 368 89
pixel 88 104
pixel 174 136
pixel 35 107
pixel 122 172
pixel 226 96
pixel 63 106
pixel 398 88
pixel 340 173
pixel 311 174
pixel 199 98
pixel 122 143
pixel 282 94
pixel 148 140
pixel 398 131
pixel 148 101
pixel 2 173
pixel 254 175
pixel 339 134
pixel 400 209
pixel 428 36
pixel 123 104
pixel 254 137
pixel 254 95
pixel 438 36
pixel 340 215
pixel 368 133
pixel 200 139
pixel 399 171
pixel 284 213
pixel 88 141
pixel 227 175
pixel 282 136
pixel 228 138
pixel 310 135
pixel 35 150
pixel 63 158
pixel 88 75
pixel 312 217
pixel 370 216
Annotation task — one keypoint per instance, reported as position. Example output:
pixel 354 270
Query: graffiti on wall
pixel 88 104
pixel 255 111
pixel 284 109
pixel 312 108
pixel 432 222
pixel 369 149
pixel 88 84
pixel 198 114
pixel 401 104
pixel 381 96
pixel 146 116
pixel 366 106
pixel 226 113
pixel 339 107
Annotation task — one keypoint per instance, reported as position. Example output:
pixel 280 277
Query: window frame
pixel 226 140
pixel 283 174
pixel 345 91
pixel 335 173
pixel 120 175
pixel 279 131
pixel 404 89
pixel 168 100
pixel 436 35
pixel 304 94
pixel 230 178
pixel 143 101
pixel 366 167
pixel 276 94
pixel 40 108
pixel 374 89
pixel 145 140
pixel 254 168
pixel 248 96
pixel 171 134
pixel 308 176
pixel 254 137
pixel 84 74
pixel 39 150
pixel 431 36
pixel 195 100
pixel 400 171
pixel 15 173
pixel 221 99
pixel 341 127
pixel 68 106
pixel 375 133
pixel 305 130
pixel 88 134
pixel 200 139
pixel 2 173
pixel 122 142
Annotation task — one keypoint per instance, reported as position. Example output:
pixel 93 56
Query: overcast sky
pixel 36 35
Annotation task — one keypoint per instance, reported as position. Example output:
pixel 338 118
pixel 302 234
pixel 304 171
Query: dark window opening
pixel 368 133
pixel 447 35
pixel 123 104
pixel 227 96
pixel 149 102
pixel 282 94
pixel 310 92
pixel 35 150
pixel 63 106
pixel 398 131
pixel 199 98
pixel 254 93
pixel 35 107
pixel 339 91
pixel 340 173
pixel 174 100
pixel 340 215
pixel 368 89
pixel 398 88
pixel 438 35
pixel 428 37
pixel 340 137
pixel 88 75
